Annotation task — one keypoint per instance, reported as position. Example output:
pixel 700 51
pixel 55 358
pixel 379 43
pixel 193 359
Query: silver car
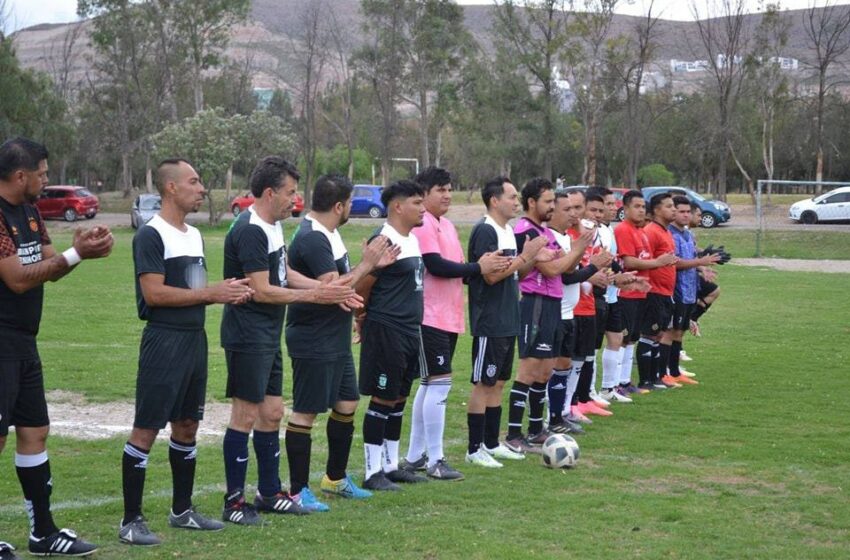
pixel 144 208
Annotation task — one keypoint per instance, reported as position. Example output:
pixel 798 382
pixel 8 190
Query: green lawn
pixel 752 463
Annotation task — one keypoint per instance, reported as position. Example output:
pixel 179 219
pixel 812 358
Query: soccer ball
pixel 560 452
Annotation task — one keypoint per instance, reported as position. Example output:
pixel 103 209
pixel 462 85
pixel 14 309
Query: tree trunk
pixel 424 148
pixel 126 173
pixel 228 184
pixel 438 157
pixel 63 171
pixel 198 90
pixel 385 172
pixel 148 178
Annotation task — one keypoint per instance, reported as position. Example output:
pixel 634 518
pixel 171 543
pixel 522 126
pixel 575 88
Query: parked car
pixel 246 199
pixel 829 207
pixel 619 193
pixel 366 201
pixel 144 208
pixel 67 202
pixel 714 212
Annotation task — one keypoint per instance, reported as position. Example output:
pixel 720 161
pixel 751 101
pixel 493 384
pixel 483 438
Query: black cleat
pixel 64 542
pixel 279 503
pixel 380 483
pixel 237 510
pixel 7 552
pixel 405 477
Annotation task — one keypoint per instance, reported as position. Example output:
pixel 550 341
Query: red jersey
pixel 586 306
pixel 632 242
pixel 662 280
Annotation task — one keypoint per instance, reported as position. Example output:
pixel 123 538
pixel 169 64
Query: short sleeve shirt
pixel 313 330
pixel 663 279
pixel 443 296
pixel 586 306
pixel 22 235
pixel 493 309
pixel 632 242
pixel 253 245
pixel 396 299
pixel 571 291
pixel 687 280
pixel 606 233
pixel 535 282
pixel 160 248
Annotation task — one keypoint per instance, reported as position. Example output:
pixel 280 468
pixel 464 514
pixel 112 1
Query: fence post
pixel 759 220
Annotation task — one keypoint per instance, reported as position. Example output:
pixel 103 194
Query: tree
pixel 535 33
pixel 828 35
pixel 724 41
pixel 654 175
pixel 341 92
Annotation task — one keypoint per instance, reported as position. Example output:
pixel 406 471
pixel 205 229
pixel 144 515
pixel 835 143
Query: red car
pixel 242 202
pixel 619 193
pixel 67 202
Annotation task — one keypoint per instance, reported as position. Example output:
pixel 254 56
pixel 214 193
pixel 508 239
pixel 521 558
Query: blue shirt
pixel 687 280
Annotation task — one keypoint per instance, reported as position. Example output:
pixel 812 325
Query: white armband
pixel 72 257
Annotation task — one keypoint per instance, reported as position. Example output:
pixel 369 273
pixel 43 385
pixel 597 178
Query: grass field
pixel 752 463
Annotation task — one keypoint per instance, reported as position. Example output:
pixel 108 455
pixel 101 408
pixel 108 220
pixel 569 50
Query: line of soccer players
pixel 556 284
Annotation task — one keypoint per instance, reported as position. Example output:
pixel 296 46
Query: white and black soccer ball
pixel 560 452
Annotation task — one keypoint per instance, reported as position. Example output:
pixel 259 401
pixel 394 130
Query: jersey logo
pixel 418 276
pixel 441 360
pixel 382 381
pixel 33 225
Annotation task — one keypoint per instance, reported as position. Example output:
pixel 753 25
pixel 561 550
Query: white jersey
pixel 609 243
pixel 569 299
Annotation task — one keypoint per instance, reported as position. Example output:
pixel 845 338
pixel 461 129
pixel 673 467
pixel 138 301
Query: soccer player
pixel 171 295
pixel 687 284
pixel 540 314
pixel 708 291
pixel 390 331
pixel 633 250
pixel 442 321
pixel 494 320
pixel 653 353
pixel 27 261
pixel 250 334
pixel 569 209
pixel 318 340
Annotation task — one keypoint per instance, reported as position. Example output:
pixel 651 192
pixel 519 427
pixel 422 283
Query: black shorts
pixel 540 331
pixel 254 376
pixel 492 359
pixel 568 338
pixel 632 313
pixel 389 361
pixel 585 337
pixel 705 288
pixel 601 319
pixel 656 315
pixel 318 384
pixel 439 348
pixel 22 401
pixel 682 316
pixel 172 379
pixel 615 322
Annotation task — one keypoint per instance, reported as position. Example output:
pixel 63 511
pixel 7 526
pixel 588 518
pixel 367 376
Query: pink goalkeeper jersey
pixel 535 282
pixel 443 296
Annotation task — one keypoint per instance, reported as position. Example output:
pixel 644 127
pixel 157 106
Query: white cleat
pixel 483 459
pixel 611 395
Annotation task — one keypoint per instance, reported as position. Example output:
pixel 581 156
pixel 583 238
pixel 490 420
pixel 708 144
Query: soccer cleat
pixel 576 416
pixel 279 503
pixel 237 510
pixel 307 500
pixel 682 380
pixel 590 408
pixel 599 401
pixel 7 552
pixel 405 477
pixel 566 427
pixel 684 357
pixel 380 483
pixel 483 459
pixel 538 438
pixel 522 445
pixel 137 532
pixel 502 452
pixel 64 542
pixel 441 470
pixel 419 464
pixel 344 488
pixel 614 396
pixel 191 519
pixel 670 381
pixel 686 373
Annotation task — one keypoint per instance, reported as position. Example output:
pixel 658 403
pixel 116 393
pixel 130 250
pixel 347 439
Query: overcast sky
pixel 23 13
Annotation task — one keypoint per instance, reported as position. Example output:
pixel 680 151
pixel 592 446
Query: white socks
pixel 390 455
pixel 572 382
pixel 626 363
pixel 417 426
pixel 374 458
pixel 610 368
pixel 434 417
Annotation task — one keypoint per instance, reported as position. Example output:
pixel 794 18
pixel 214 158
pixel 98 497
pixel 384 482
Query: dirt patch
pixel 71 415
pixel 799 265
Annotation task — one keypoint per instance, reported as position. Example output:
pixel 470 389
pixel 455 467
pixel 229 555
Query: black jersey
pixel 493 309
pixel 396 299
pixel 160 248
pixel 313 330
pixel 253 245
pixel 22 234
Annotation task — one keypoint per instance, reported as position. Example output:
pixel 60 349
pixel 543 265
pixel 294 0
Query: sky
pixel 24 13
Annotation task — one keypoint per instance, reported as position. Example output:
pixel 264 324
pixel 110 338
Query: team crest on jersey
pixel 382 381
pixel 655 326
pixel 33 225
pixel 418 277
pixel 14 231
pixel 491 370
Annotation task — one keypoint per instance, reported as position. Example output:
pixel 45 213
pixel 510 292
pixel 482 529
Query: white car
pixel 829 207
